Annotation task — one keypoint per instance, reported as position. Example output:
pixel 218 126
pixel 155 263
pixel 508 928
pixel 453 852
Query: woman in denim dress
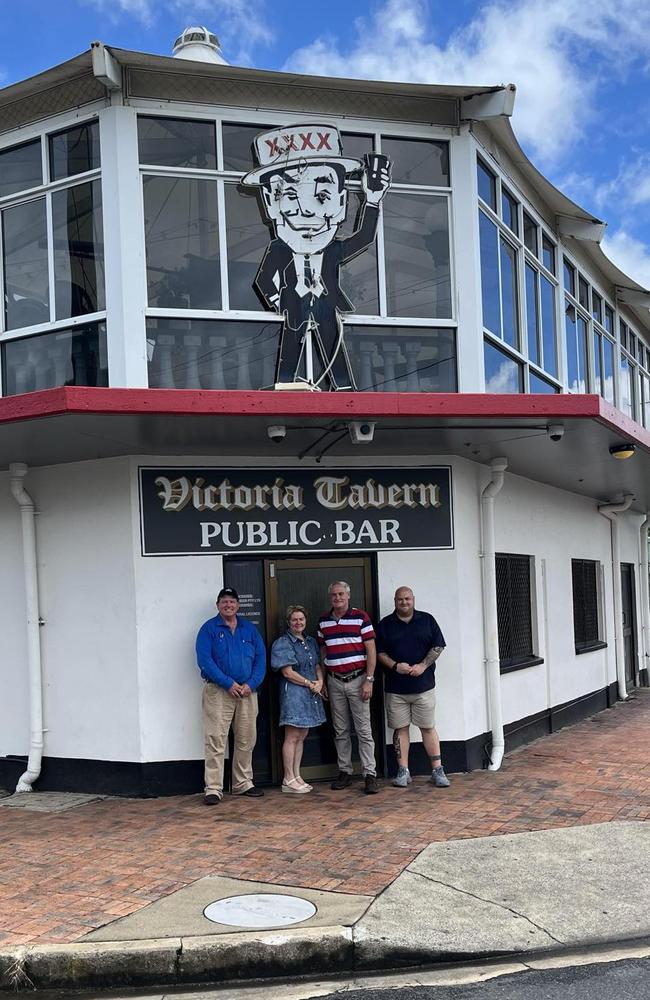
pixel 296 656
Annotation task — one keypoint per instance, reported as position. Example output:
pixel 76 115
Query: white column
pixel 467 262
pixel 124 253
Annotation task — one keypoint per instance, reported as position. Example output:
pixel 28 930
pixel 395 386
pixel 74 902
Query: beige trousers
pixel 345 701
pixel 220 711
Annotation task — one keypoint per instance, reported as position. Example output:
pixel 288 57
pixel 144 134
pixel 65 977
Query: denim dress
pixel 298 706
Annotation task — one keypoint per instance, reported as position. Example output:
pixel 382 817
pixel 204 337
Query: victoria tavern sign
pixel 208 511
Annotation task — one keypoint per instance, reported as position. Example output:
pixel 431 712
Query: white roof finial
pixel 200 45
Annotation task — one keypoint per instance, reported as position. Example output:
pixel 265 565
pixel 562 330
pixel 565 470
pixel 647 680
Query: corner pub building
pixel 498 369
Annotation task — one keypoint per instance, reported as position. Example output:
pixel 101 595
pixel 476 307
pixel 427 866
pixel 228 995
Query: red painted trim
pixel 328 405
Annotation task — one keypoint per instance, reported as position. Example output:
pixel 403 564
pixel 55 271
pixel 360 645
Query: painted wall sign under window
pixel 208 511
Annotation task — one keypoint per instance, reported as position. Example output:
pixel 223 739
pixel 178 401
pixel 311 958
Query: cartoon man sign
pixel 301 177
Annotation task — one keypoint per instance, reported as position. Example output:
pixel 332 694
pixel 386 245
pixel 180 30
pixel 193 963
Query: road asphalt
pixel 513 896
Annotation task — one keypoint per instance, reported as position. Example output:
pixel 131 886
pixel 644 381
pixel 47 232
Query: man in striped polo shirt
pixel 348 653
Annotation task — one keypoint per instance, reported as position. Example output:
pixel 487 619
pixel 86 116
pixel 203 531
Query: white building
pixel 493 342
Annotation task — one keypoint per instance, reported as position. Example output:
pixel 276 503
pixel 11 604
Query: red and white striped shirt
pixel 344 640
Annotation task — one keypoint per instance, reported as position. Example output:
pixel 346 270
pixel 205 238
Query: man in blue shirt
pixel 232 660
pixel 408 644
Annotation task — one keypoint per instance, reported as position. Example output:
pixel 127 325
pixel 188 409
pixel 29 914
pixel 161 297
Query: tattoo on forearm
pixel 396 745
pixel 432 655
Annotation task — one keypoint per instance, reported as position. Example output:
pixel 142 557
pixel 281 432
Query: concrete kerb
pixel 290 955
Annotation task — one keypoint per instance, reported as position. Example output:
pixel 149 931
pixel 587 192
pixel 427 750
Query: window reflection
pixel 247 240
pixel 74 151
pixel 21 168
pixel 238 143
pixel 576 345
pixel 182 242
pixel 65 357
pixel 502 373
pixel 399 359
pixel 549 340
pixel 359 276
pixel 211 354
pixel 487 185
pixel 626 386
pixel 24 241
pixel 540 385
pixel 532 319
pixel 416 238
pixel 177 142
pixel 509 293
pixel 78 250
pixel 490 275
pixel 417 161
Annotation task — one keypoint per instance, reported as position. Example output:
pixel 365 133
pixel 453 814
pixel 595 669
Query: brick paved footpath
pixel 64 874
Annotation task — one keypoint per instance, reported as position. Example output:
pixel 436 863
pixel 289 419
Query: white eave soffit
pixel 499 103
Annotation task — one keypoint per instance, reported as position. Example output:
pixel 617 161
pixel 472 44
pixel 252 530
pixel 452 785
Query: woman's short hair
pixel 293 608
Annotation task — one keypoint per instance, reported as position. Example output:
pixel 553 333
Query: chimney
pixel 200 45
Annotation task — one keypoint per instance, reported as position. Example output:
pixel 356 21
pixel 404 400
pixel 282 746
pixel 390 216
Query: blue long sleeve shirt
pixel 224 656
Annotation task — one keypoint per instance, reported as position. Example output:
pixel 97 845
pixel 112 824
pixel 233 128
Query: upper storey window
pixel 207 235
pixel 52 255
pixel 588 323
pixel 519 297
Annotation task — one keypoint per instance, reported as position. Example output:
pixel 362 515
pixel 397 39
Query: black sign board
pixel 209 511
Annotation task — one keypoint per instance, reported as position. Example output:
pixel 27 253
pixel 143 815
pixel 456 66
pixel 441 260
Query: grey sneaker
pixel 403 778
pixel 439 778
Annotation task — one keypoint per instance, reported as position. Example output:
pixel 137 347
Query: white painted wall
pixel 118 648
pixel 86 584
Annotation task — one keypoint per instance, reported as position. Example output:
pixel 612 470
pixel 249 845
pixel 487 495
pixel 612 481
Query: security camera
pixel 361 431
pixel 555 431
pixel 276 433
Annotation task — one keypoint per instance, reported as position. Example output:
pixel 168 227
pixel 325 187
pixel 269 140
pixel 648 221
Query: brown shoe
pixel 211 800
pixel 341 781
pixel 371 787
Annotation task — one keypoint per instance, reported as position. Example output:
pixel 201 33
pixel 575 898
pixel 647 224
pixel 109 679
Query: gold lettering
pixel 328 491
pixel 174 493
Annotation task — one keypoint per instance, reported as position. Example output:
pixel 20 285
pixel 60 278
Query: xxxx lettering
pixel 285 143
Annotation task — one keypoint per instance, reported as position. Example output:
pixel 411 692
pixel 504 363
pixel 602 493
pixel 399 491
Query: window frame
pixel 525 258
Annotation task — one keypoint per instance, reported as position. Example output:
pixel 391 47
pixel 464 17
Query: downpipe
pixel 610 511
pixel 490 620
pixel 18 471
pixel 645 596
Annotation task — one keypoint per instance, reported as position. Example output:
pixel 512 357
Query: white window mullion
pixel 381 258
pixel 223 245
pixel 50 254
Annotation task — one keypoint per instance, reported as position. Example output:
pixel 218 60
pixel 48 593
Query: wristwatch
pixel 394 667
pixel 370 678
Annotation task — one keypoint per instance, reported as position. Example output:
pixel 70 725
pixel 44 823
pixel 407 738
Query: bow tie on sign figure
pixel 301 178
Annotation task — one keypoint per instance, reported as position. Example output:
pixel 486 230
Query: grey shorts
pixel 404 709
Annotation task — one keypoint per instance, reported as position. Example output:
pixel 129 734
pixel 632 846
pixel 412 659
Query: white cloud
pixel 543 46
pixel 630 254
pixel 240 24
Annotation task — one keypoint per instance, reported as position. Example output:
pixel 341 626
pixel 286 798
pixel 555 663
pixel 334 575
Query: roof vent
pixel 200 45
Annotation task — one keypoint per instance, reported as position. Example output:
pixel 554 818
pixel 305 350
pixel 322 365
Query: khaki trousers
pixel 220 711
pixel 345 701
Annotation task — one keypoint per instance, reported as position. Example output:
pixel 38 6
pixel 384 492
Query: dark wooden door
pixel 305 581
pixel 629 630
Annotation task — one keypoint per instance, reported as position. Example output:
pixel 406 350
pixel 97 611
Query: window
pixel 487 185
pixel 21 168
pixel 589 322
pixel 52 245
pixel 538 385
pixel 531 234
pixel 569 277
pixel 514 611
pixel 586 617
pixel 509 211
pixel 502 372
pixel 75 356
pixel 499 283
pixel 206 236
pixel 576 346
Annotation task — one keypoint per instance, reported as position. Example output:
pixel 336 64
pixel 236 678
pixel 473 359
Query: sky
pixel 581 68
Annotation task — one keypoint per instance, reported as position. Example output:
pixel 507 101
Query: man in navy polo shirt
pixel 409 643
pixel 232 660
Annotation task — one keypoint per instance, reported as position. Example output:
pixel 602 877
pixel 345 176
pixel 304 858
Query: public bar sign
pixel 216 511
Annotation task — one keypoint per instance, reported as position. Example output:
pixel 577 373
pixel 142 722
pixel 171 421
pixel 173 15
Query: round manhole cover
pixel 259 909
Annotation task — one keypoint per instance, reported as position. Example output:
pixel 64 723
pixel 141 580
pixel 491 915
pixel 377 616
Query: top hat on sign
pixel 298 145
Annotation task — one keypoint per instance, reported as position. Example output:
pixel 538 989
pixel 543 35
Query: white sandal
pixel 304 784
pixel 294 788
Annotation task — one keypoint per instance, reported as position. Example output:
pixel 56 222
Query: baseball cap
pixel 227 592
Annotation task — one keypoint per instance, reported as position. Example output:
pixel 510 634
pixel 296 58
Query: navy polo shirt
pixel 409 642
